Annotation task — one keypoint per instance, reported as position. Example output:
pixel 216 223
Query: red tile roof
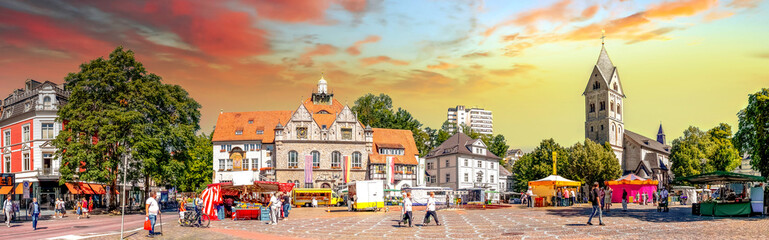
pixel 229 123
pixel 394 137
pixel 324 114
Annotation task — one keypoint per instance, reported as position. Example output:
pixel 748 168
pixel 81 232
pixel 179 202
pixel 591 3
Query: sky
pixel 681 62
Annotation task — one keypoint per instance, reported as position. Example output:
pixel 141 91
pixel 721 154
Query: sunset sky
pixel 684 62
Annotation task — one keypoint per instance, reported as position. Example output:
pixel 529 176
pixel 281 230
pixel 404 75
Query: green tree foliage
pixel 496 145
pixel 539 164
pixel 197 169
pixel 753 134
pixel 377 112
pixel 690 152
pixel 116 110
pixel 723 156
pixel 699 152
pixel 590 162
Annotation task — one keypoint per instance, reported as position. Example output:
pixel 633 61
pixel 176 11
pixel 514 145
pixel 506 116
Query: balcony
pixel 405 177
pixel 54 172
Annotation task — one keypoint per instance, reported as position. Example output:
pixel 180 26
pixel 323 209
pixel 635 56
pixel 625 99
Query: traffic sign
pixel 26 189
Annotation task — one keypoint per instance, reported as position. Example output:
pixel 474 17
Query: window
pixel 467 177
pixel 315 159
pixel 259 132
pixel 448 177
pixel 603 106
pixel 447 163
pixel 591 128
pixel 480 164
pixel 292 155
pixel 336 159
pixel 221 164
pixel 245 147
pixel 8 164
pixel 601 127
pixel 255 166
pixel 47 130
pixel 250 121
pixel 492 165
pixel 47 102
pixel 429 165
pixel 229 164
pixel 239 132
pixel 611 105
pixel 26 162
pixel 596 85
pixel 466 163
pixel 615 87
pixel 432 179
pixel 592 107
pixel 356 161
pixel 245 164
pixel 269 163
pixel 491 178
pixel 7 138
pixel 619 109
pixel 301 133
pixel 25 133
pixel 346 133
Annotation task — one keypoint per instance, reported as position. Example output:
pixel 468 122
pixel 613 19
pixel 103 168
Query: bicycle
pixel 191 219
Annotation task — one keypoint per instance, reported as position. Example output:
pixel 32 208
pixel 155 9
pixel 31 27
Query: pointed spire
pixel 604 64
pixel 661 135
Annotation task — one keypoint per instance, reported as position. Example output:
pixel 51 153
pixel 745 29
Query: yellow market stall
pixel 545 189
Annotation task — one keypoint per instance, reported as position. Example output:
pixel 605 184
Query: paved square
pixel 640 222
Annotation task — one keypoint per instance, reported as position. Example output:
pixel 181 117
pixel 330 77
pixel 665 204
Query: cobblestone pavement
pixel 640 222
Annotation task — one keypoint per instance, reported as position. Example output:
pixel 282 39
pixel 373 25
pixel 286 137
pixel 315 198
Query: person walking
pixel 624 200
pixel 407 208
pixel 595 199
pixel 286 205
pixel 274 207
pixel 182 208
pixel 79 208
pixel 152 209
pixel 34 210
pixel 430 210
pixel 84 205
pixel 8 209
pixel 573 197
pixel 90 205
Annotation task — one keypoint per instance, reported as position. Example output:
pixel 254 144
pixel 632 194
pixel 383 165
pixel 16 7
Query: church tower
pixel 604 105
pixel 661 135
pixel 322 97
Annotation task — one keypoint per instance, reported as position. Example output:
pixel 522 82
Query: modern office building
pixel 477 119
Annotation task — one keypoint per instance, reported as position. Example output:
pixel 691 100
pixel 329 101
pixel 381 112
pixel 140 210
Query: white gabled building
pixel 462 163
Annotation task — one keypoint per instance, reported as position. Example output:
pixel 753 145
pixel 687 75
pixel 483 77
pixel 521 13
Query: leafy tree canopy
pixel 753 134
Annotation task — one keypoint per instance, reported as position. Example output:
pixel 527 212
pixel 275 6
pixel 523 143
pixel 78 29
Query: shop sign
pixel 7 179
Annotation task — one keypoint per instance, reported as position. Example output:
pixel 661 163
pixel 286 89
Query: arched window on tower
pixel 612 106
pixel 47 102
pixel 619 108
pixel 615 87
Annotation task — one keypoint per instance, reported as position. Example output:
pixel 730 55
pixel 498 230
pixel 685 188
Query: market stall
pixel 246 201
pixel 727 202
pixel 545 189
pixel 635 186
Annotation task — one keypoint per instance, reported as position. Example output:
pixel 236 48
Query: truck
pixel 419 195
pixel 324 196
pixel 365 195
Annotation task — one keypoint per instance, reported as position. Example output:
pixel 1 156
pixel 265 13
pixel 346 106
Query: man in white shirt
pixel 8 209
pixel 407 208
pixel 573 197
pixel 529 194
pixel 152 209
pixel 431 210
pixel 274 206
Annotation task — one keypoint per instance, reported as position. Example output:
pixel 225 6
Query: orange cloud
pixel 670 10
pixel 355 48
pixel 441 65
pixel 319 50
pixel 744 3
pixel 382 59
pixel 553 13
pixel 589 12
pixel 353 6
pixel 476 54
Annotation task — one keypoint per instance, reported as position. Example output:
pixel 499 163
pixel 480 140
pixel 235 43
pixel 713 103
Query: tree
pixel 591 162
pixel 117 110
pixel 539 164
pixel 377 112
pixel 197 169
pixel 723 156
pixel 496 145
pixel 753 134
pixel 690 152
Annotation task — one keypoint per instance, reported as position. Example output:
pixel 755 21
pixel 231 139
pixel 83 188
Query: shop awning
pixel 555 180
pixel 85 188
pixel 97 188
pixel 7 189
pixel 720 177
pixel 73 189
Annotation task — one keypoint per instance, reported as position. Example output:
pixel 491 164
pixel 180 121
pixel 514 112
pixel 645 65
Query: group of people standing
pixel 279 205
pixel 407 210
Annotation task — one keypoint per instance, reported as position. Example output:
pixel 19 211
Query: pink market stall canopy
pixel 634 185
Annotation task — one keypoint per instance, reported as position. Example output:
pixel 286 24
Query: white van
pixel 365 195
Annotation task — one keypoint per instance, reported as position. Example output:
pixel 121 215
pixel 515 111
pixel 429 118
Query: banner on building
pixel 390 170
pixel 346 169
pixel 308 169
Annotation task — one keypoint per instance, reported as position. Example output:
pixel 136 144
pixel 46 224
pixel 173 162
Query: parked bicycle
pixel 191 219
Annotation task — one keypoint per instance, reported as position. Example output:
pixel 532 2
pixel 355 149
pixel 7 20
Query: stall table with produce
pixel 728 203
pixel 249 198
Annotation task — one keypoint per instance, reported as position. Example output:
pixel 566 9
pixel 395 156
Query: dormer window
pixel 259 132
pixel 391 151
pixel 239 132
pixel 250 121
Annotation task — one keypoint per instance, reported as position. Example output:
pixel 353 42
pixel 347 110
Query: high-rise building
pixel 477 119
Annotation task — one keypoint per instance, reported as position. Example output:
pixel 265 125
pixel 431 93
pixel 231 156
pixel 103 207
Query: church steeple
pixel 661 135
pixel 322 96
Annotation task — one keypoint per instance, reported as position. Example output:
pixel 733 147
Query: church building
pixel 604 122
